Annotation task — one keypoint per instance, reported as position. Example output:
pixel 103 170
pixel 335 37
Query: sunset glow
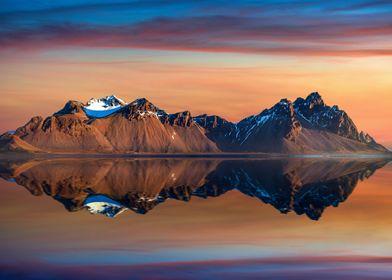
pixel 232 60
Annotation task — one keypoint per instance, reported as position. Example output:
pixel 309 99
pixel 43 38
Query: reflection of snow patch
pixel 144 198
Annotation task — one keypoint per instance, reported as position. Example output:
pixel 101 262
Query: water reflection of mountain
pixel 110 186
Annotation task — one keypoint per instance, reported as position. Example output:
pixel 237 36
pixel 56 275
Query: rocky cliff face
pixel 304 126
pixel 268 130
pixel 219 130
pixel 110 125
pixel 315 114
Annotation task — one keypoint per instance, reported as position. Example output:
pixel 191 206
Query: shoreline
pixel 21 155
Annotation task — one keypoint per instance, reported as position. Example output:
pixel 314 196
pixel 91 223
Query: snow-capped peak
pixel 101 204
pixel 102 107
pixel 105 102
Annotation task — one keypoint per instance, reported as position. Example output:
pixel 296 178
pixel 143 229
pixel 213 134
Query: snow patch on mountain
pixel 103 107
pixel 147 113
pixel 258 121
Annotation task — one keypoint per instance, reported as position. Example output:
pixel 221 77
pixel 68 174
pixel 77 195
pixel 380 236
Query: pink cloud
pixel 211 34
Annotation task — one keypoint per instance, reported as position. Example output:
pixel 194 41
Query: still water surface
pixel 196 219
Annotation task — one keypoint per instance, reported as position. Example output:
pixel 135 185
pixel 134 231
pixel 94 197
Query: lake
pixel 196 218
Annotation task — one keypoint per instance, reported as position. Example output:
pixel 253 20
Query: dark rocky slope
pixel 304 126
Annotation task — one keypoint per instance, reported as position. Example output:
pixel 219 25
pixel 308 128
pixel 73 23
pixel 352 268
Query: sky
pixel 231 58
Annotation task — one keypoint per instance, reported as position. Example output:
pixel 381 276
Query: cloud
pixel 261 35
pixel 365 5
pixel 89 7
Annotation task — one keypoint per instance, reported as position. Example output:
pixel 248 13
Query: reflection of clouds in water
pixel 203 234
pixel 299 267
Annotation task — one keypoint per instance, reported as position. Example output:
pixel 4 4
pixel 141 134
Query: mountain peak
pixel 284 106
pixel 103 107
pixel 140 101
pixel 181 119
pixel 71 107
pixel 142 107
pixel 314 98
pixel 321 116
pixel 284 101
pixel 109 100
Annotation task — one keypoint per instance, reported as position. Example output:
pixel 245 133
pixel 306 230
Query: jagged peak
pixel 335 108
pixel 183 113
pixel 314 98
pixel 71 107
pixel 318 115
pixel 109 100
pixel 183 118
pixel 140 101
pixel 284 105
pixel 283 112
pixel 314 95
pixel 142 107
pixel 284 101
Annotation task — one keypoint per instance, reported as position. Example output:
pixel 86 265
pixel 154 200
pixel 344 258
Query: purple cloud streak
pixel 314 37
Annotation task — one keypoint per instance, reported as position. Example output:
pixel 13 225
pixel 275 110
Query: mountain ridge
pixel 110 125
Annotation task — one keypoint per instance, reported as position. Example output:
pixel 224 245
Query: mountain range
pixel 110 125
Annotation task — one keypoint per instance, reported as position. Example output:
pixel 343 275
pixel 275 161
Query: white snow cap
pixel 103 107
